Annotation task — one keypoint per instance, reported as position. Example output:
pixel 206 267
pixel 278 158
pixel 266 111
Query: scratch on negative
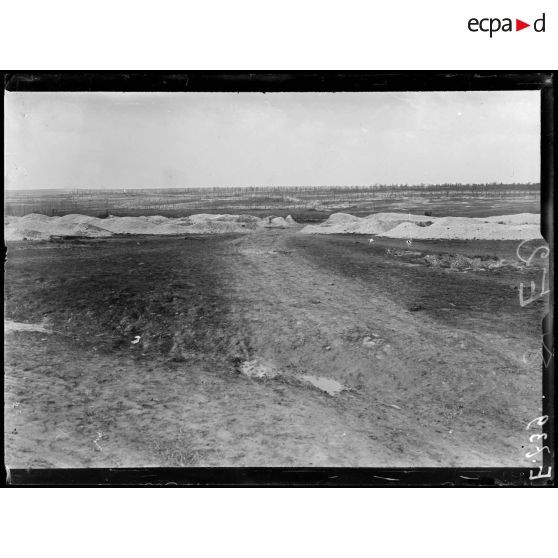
pixel 384 478
pixel 469 478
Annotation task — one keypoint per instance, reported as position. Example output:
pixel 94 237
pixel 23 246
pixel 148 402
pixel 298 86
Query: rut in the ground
pixel 306 320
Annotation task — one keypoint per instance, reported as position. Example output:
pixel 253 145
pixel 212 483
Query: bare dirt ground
pixel 432 358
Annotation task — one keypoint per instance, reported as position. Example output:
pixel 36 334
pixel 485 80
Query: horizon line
pixel 395 185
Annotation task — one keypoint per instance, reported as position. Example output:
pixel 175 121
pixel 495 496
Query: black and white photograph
pixel 232 278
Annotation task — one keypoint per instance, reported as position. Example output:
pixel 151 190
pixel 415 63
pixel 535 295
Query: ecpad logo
pixel 494 24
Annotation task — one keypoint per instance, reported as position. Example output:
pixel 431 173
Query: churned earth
pixel 142 347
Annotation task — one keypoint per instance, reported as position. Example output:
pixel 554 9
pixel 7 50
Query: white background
pixel 283 523
pixel 256 35
pixel 264 34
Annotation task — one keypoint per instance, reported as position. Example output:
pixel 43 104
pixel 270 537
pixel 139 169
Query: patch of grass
pixel 172 453
pixel 169 292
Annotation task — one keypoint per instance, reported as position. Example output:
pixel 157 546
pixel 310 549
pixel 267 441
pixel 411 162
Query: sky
pixel 151 140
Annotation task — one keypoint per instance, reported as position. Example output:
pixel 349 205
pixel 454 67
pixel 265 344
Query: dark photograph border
pixel 327 81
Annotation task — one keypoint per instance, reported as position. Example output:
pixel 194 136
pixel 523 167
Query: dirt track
pixel 420 392
pixel 451 384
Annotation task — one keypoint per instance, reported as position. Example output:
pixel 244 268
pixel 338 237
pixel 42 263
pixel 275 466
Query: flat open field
pixel 143 340
pixel 303 204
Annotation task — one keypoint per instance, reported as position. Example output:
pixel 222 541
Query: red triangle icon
pixel 519 25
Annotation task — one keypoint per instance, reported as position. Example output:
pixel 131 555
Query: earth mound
pixel 522 226
pixel 344 223
pixel 465 228
pixel 41 227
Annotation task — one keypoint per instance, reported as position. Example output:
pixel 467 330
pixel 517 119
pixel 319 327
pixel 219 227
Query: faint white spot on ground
pixel 10 326
pixel 325 384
